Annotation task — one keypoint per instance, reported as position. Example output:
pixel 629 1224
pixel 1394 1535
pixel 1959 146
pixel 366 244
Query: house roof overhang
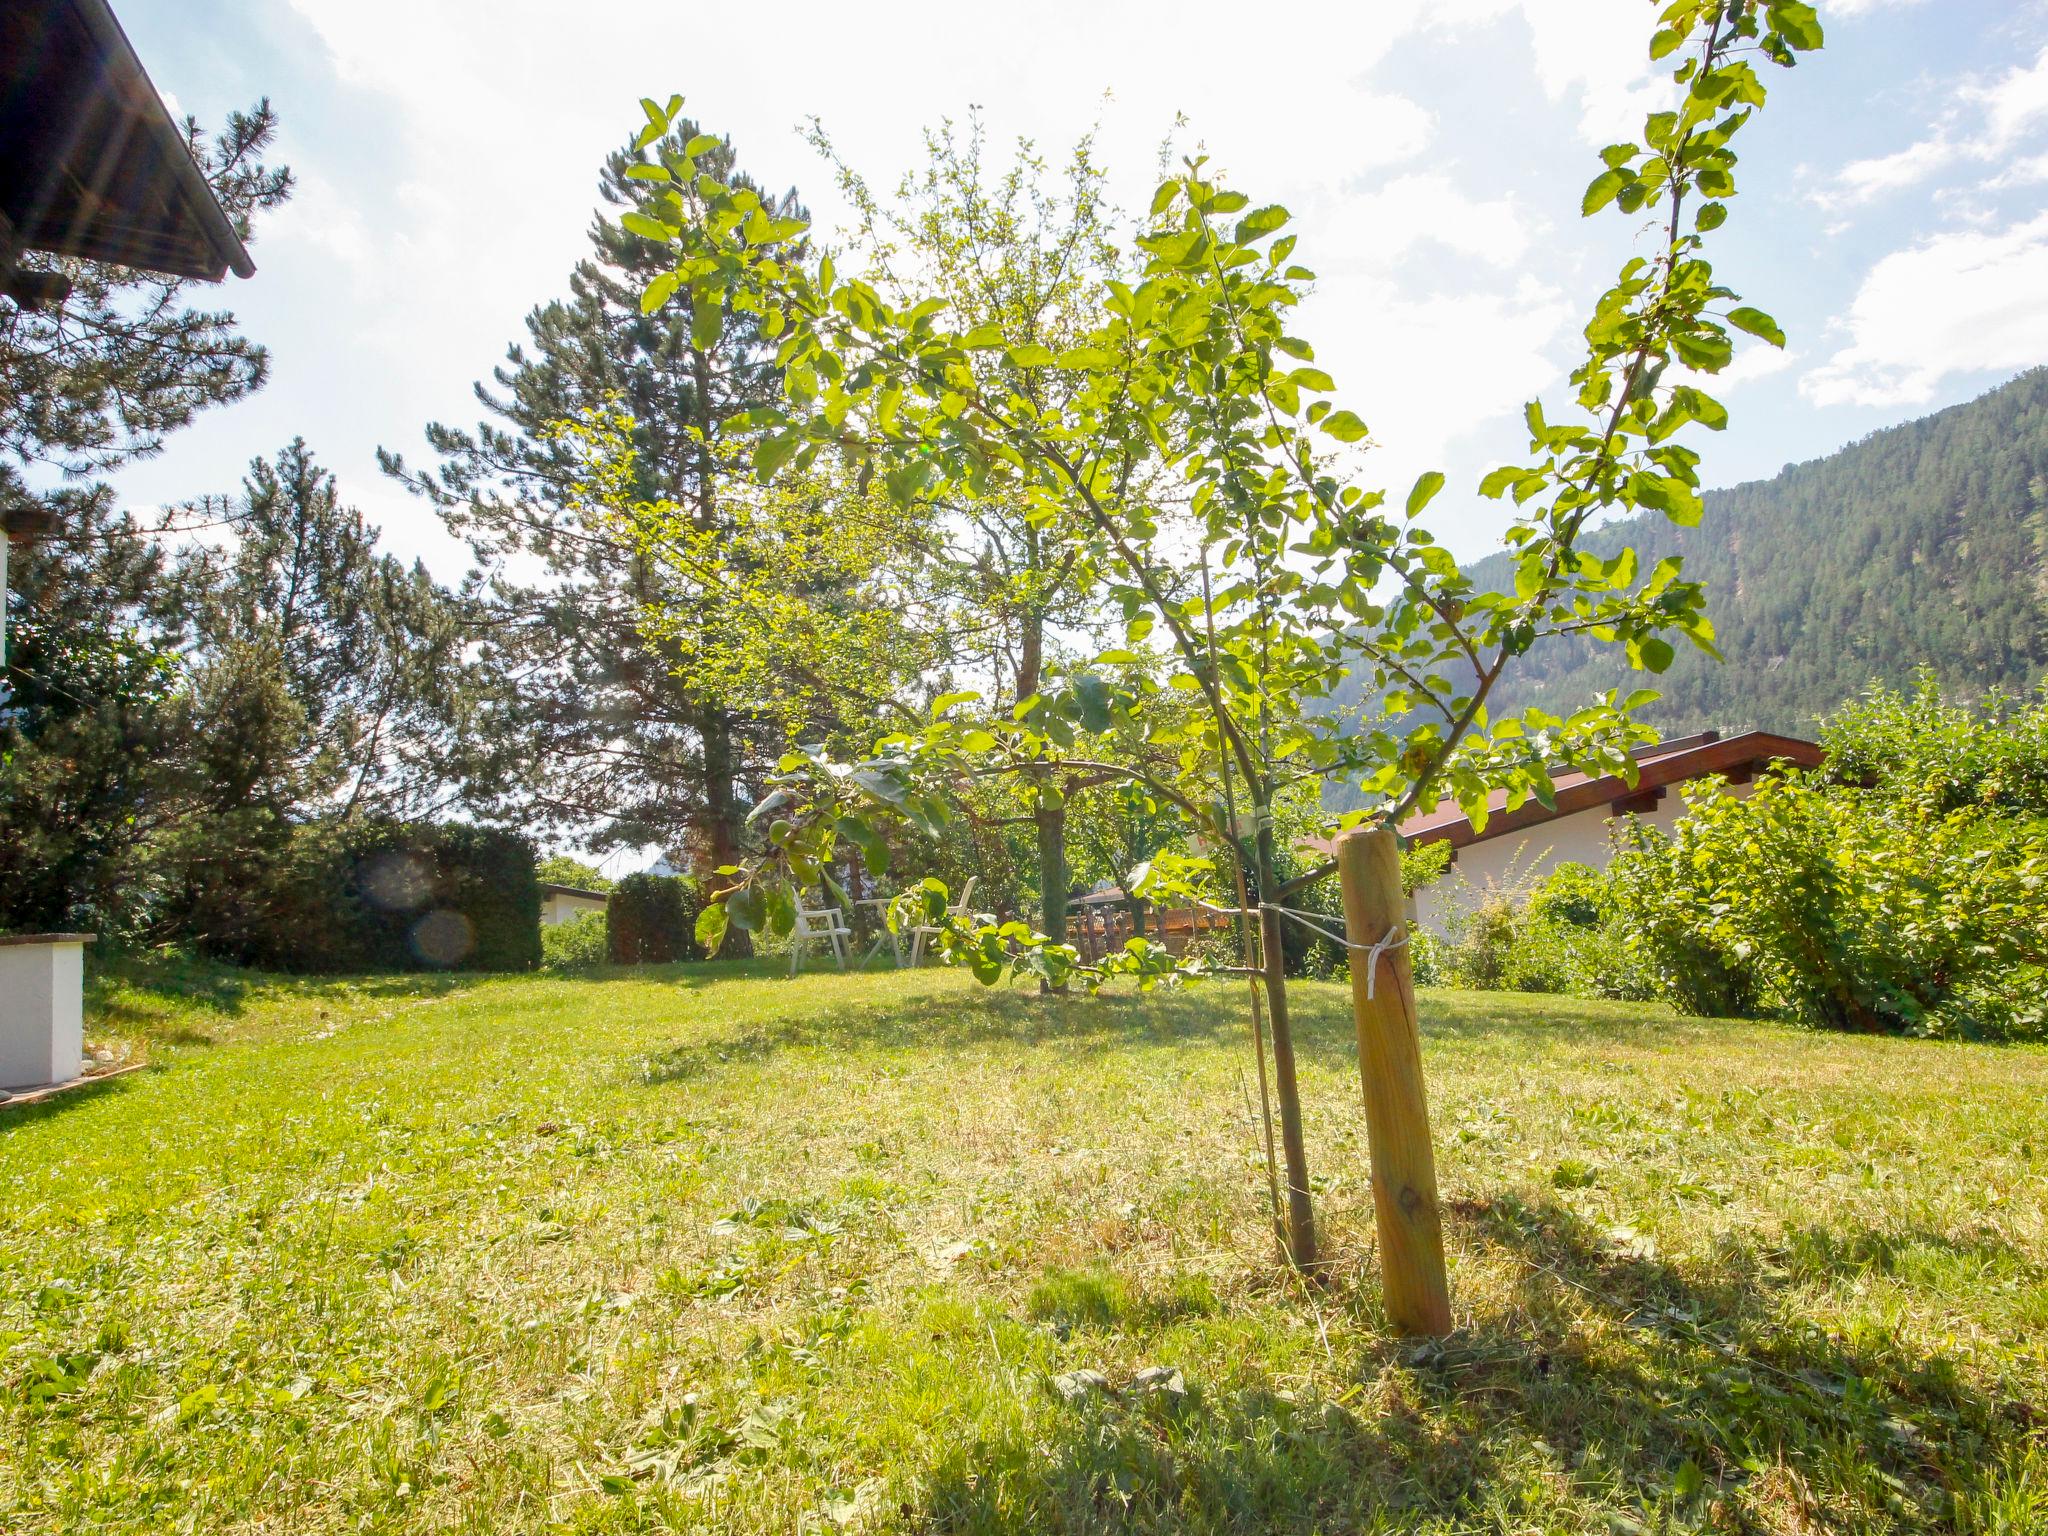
pixel 1667 763
pixel 549 888
pixel 92 165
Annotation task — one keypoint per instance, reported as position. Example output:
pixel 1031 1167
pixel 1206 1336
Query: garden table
pixel 887 935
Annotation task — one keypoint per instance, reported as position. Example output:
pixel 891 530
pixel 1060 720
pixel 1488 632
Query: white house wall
pixel 1522 858
pixel 557 908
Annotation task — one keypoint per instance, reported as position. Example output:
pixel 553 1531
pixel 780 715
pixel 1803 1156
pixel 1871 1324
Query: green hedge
pixel 653 920
pixel 395 896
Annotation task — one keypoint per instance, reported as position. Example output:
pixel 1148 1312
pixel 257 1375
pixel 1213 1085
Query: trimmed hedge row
pixel 653 920
pixel 395 896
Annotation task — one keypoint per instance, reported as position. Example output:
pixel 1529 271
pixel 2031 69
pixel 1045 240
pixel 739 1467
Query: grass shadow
pixel 954 1022
pixel 1604 1380
pixel 17 1116
pixel 1324 1030
pixel 147 988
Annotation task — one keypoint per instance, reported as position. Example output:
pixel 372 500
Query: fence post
pixel 1390 1064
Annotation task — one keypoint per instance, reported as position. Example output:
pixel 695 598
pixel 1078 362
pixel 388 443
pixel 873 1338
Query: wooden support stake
pixel 1390 1063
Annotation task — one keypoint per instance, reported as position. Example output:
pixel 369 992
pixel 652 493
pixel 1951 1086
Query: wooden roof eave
pixel 1752 750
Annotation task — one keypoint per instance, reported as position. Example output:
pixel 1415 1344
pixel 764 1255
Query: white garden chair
pixel 924 931
pixel 815 926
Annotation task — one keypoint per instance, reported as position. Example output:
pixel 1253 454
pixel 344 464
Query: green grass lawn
pixel 712 1250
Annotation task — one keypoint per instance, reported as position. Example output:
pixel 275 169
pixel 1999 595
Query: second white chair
pixel 925 931
pixel 815 926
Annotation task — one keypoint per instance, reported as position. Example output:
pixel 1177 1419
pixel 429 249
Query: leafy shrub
pixel 1661 910
pixel 562 869
pixel 1552 935
pixel 1853 909
pixel 1943 756
pixel 391 896
pixel 580 944
pixel 1429 959
pixel 654 920
pixel 1573 894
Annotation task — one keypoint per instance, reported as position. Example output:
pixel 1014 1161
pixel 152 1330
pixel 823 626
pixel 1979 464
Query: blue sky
pixel 1434 151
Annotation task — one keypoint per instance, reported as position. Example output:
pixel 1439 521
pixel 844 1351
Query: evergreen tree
pixel 93 680
pixel 397 722
pixel 618 746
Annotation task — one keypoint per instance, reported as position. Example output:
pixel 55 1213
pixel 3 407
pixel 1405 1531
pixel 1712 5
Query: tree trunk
pixel 724 822
pixel 1301 1220
pixel 1049 820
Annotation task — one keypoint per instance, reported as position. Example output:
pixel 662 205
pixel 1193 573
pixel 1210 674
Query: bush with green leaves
pixel 1945 754
pixel 580 944
pixel 1662 912
pixel 1848 908
pixel 1555 934
pixel 653 920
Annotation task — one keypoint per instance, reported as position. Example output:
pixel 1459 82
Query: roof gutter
pixel 125 69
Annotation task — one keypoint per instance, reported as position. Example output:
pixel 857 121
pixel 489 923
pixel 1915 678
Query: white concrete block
pixel 42 1008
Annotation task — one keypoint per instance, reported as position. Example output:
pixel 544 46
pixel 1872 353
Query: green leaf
pixel 1426 487
pixel 1654 652
pixel 747 907
pixel 1030 355
pixel 1704 349
pixel 1757 323
pixel 711 924
pixel 1344 426
pixel 1091 703
pixel 1497 481
pixel 1260 222
pixel 771 453
pixel 1604 189
pixel 700 144
pixel 648 173
pixel 647 228
pixel 1797 23
pixel 707 319
pixel 658 292
pixel 951 701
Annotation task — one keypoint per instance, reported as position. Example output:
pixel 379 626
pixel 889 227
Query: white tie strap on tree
pixel 1394 938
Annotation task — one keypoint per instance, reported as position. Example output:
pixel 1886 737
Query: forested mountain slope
pixel 1926 542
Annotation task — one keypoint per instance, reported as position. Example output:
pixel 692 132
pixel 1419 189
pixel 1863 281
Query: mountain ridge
pixel 1921 543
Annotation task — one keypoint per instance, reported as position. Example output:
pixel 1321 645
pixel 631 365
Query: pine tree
pixel 618 747
pixel 92 681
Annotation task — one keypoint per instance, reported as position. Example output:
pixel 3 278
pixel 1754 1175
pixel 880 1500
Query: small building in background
pixel 1525 844
pixel 560 903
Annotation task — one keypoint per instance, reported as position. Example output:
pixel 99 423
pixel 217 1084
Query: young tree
pixel 1031 260
pixel 1294 576
pixel 616 741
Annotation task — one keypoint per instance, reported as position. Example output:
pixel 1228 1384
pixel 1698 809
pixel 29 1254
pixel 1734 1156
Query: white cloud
pixel 1957 303
pixel 1756 360
pixel 1861 181
pixel 2013 104
pixel 2019 173
pixel 2004 110
pixel 1378 227
pixel 1596 51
